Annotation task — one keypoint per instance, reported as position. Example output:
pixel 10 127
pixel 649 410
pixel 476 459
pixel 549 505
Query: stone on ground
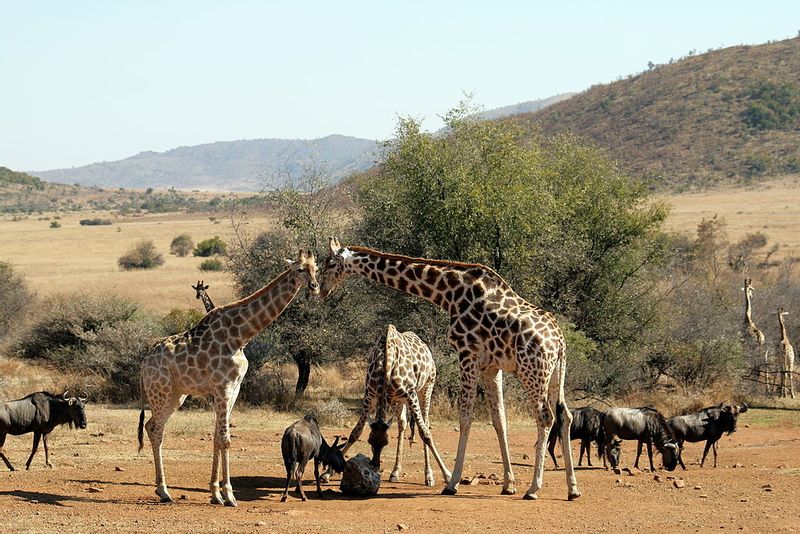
pixel 360 477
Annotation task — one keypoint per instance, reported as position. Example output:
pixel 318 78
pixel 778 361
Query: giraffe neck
pixel 206 301
pixel 748 308
pixel 442 283
pixel 784 337
pixel 254 313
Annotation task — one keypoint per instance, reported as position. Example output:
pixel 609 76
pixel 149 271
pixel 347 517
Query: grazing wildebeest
pixel 587 426
pixel 303 441
pixel 708 424
pixel 647 426
pixel 39 413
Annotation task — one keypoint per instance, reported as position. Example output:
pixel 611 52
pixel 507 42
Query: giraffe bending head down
pixel 400 378
pixel 208 360
pixel 201 294
pixel 492 330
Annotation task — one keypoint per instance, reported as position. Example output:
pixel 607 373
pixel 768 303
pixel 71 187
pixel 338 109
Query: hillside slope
pixel 247 165
pixel 726 116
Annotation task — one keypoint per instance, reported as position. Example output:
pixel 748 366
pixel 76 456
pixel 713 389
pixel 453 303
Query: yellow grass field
pixel 84 258
pixel 77 258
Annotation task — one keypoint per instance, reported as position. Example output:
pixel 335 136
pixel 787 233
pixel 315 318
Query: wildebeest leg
pixel 650 454
pixel 368 405
pixel 46 451
pixel 551 448
pixel 587 444
pixel 289 471
pixel 680 455
pixel 714 448
pixel 36 437
pixel 638 453
pixel 2 454
pixel 493 380
pixel 705 452
pixel 298 474
pixel 316 478
pixel 402 420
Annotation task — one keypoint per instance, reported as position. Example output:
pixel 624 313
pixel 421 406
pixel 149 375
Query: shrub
pixel 181 245
pixel 179 320
pixel 95 222
pixel 14 298
pixel 143 255
pixel 331 412
pixel 209 247
pixel 267 387
pixel 103 338
pixel 772 106
pixel 211 264
pixel 55 224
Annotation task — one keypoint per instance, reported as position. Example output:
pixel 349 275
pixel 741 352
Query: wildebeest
pixel 646 425
pixel 39 413
pixel 587 426
pixel 708 424
pixel 302 441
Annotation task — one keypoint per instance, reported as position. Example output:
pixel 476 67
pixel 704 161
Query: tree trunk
pixel 303 361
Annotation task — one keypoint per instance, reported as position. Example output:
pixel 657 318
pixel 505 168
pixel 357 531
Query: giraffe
pixel 202 295
pixel 493 330
pixel 208 360
pixel 753 338
pixel 400 377
pixel 787 374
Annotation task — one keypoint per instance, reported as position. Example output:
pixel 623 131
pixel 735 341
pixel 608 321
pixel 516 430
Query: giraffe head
pixel 200 289
pixel 748 287
pixel 333 271
pixel 305 267
pixel 782 312
pixel 378 439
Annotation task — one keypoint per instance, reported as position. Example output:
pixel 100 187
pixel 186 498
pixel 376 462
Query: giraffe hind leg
pixel 402 421
pixel 161 409
pixel 493 380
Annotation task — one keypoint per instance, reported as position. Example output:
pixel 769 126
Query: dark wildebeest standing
pixel 39 413
pixel 587 426
pixel 647 426
pixel 301 442
pixel 708 424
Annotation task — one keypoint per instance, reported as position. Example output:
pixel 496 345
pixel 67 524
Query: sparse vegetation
pixel 55 224
pixel 181 245
pixel 143 255
pixel 210 247
pixel 211 264
pixel 15 297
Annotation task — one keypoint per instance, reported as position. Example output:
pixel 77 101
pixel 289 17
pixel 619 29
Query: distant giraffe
pixel 785 348
pixel 493 330
pixel 400 378
pixel 208 359
pixel 753 338
pixel 203 296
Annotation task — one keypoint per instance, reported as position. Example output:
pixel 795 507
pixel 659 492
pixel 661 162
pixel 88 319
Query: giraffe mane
pixel 439 263
pixel 257 294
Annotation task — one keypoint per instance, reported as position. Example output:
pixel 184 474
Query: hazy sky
pixel 88 81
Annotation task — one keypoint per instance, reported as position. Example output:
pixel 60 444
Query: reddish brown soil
pixel 761 495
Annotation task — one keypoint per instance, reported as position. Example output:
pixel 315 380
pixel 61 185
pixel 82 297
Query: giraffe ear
pixel 333 245
pixel 290 262
pixel 205 287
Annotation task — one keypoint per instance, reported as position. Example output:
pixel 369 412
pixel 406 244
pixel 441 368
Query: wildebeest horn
pixel 743 407
pixel 335 442
pixel 84 399
pixel 65 395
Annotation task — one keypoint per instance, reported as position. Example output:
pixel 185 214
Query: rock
pixel 737 466
pixel 466 480
pixel 617 471
pixel 261 523
pixel 475 481
pixel 93 489
pixel 767 487
pixel 402 526
pixel 703 496
pixel 670 477
pixel 618 482
pixel 493 476
pixel 744 500
pixel 119 469
pixel 183 497
pixel 698 487
pixel 360 477
pixel 657 478
pixel 629 472
pixel 526 457
pixel 75 454
pixel 679 483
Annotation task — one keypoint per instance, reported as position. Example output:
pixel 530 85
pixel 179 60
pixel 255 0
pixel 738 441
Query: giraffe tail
pixel 140 433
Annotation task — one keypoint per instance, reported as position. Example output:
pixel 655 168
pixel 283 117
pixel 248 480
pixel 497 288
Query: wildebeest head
pixel 670 454
pixel 614 453
pixel 333 456
pixel 378 439
pixel 75 410
pixel 728 416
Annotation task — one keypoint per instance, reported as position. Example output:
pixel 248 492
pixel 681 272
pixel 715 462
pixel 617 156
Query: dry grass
pixel 772 208
pixel 19 378
pixel 77 258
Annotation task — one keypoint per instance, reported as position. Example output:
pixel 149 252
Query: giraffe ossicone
pixel 492 329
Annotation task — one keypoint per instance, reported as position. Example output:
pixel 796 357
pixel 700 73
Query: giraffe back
pixel 400 363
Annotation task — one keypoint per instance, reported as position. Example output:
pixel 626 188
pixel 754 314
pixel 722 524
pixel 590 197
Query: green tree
pixel 181 245
pixel 209 247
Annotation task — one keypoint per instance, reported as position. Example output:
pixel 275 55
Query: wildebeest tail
pixel 140 433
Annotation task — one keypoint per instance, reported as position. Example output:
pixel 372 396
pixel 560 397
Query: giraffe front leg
pixel 425 401
pixel 224 405
pixel 493 380
pixel 161 411
pixel 466 404
pixel 402 422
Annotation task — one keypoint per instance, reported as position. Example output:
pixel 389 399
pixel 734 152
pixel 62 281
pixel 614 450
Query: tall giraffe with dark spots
pixel 208 360
pixel 493 330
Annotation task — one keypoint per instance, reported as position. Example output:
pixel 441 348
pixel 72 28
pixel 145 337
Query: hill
pixel 529 106
pixel 247 165
pixel 727 116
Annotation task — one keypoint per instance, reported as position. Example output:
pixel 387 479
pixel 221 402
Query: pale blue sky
pixel 85 81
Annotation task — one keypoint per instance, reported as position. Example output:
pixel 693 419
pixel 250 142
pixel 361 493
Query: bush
pixel 102 338
pixel 95 222
pixel 181 245
pixel 179 320
pixel 331 412
pixel 143 255
pixel 209 247
pixel 55 224
pixel 211 264
pixel 14 298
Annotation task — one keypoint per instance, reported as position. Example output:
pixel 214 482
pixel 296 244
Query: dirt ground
pixel 100 483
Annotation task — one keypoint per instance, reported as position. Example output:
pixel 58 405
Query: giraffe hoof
pixel 509 491
pixel 449 491
pixel 215 499
pixel 530 497
pixel 166 499
pixel 233 504
pixel 394 478
pixel 573 496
